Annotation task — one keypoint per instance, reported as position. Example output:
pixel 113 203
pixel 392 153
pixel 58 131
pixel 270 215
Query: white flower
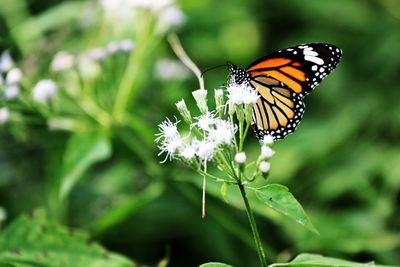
pixel 170 139
pixel 268 140
pixel 240 158
pixel 171 147
pixel 4 115
pixel 170 17
pixel 205 121
pixel 168 130
pixel 222 133
pixel 266 152
pixel 153 5
pixel 118 10
pixel 44 90
pixel 6 62
pixel 264 166
pixel 14 76
pixel 200 96
pixel 88 68
pixel 12 91
pixel 113 47
pixel 126 45
pixel 205 150
pixel 167 69
pixel 62 61
pixel 188 152
pixel 241 94
pixel 97 54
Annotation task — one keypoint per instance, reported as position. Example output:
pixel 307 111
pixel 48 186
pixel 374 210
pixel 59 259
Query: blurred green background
pixel 342 164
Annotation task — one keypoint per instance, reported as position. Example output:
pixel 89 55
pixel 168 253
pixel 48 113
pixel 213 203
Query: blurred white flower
pixel 1 80
pixel 14 76
pixel 188 152
pixel 6 61
pixel 12 91
pixel 4 115
pixel 167 69
pixel 118 10
pixel 170 17
pixel 44 90
pixel 240 157
pixel 126 45
pixel 3 214
pixel 62 61
pixel 97 54
pixel 113 47
pixel 264 166
pixel 222 133
pixel 268 140
pixel 241 94
pixel 151 5
pixel 266 152
pixel 88 67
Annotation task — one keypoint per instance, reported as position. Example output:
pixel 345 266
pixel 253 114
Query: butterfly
pixel 283 79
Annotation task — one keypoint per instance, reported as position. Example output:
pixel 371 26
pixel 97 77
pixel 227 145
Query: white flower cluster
pixel 123 12
pixel 10 76
pixel 213 138
pixel 64 60
pixel 207 135
pixel 241 93
pixel 112 48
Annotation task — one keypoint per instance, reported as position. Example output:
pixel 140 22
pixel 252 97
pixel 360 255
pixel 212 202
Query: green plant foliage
pixel 35 241
pixel 215 264
pixel 83 150
pixel 278 198
pixel 313 260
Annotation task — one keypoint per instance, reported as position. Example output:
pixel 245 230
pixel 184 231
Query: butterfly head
pixel 237 74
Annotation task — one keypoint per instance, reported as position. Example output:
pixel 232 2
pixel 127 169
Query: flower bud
pixel 266 152
pixel 200 96
pixel 219 101
pixel 268 140
pixel 240 157
pixel 248 110
pixel 264 167
pixel 184 111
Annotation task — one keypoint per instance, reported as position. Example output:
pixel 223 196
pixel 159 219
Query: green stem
pixel 253 225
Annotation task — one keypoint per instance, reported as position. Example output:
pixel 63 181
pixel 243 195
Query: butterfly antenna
pixel 212 68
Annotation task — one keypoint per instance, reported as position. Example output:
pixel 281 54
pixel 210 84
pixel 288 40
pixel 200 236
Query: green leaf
pixel 34 241
pixel 83 150
pixel 314 260
pixel 278 198
pixel 215 264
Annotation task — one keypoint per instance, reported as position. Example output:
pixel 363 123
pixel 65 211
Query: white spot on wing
pixel 316 60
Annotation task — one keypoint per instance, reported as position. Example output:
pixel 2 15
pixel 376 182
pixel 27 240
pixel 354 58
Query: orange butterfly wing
pixel 283 79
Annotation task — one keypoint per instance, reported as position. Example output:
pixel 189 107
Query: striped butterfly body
pixel 282 80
